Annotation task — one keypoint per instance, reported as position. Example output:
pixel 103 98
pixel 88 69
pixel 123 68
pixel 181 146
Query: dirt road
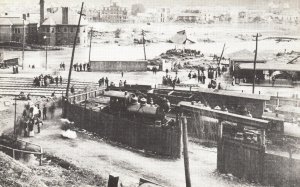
pixel 104 158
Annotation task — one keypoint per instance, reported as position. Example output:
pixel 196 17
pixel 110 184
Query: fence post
pixel 113 181
pixel 13 153
pixel 41 156
pixel 185 152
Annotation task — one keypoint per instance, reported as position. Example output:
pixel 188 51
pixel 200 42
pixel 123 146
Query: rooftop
pixel 54 16
pixel 235 94
pixel 12 21
pixel 244 55
pixel 272 66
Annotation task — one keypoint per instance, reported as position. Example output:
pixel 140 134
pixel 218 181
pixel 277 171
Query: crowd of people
pixel 46 80
pixel 168 80
pixel 105 82
pixel 81 67
pixel 33 116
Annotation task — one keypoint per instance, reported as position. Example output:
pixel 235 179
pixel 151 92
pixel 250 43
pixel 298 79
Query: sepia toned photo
pixel 149 93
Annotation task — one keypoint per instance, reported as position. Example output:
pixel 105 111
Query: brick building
pixel 59 27
pixel 11 30
pixel 114 13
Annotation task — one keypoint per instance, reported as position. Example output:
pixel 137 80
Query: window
pixel 58 29
pixel 19 31
pixel 65 29
pixel 78 40
pixel 53 30
pixel 71 29
pixel 48 29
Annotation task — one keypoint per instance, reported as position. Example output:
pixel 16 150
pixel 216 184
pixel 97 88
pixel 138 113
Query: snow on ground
pixel 104 158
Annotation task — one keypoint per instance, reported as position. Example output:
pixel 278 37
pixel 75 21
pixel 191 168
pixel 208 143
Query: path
pixel 103 158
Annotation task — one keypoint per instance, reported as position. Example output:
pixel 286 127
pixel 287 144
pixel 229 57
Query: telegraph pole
pixel 72 59
pixel 185 152
pixel 254 65
pixel 221 55
pixel 91 37
pixel 15 119
pixel 143 34
pixel 23 44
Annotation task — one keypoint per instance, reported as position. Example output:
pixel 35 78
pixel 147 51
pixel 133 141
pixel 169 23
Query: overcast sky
pixel 146 3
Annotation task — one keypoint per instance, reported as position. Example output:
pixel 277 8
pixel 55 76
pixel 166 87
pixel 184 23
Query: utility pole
pixel 219 62
pixel 254 65
pixel 15 119
pixel 46 49
pixel 72 59
pixel 23 44
pixel 91 37
pixel 185 152
pixel 143 34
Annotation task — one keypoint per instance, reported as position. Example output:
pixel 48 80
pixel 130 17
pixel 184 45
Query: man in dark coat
pixel 44 113
pixel 56 80
pixel 60 80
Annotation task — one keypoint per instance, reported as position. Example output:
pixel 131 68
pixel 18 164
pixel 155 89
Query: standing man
pixel 106 81
pixel 44 113
pixel 72 89
pixel 122 74
pixel 56 80
pixel 99 82
pixel 84 66
pixel 60 80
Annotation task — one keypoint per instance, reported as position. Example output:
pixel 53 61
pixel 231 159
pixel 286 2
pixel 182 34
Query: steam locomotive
pixel 128 105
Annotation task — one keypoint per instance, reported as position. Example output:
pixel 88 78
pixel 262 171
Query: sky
pixel 34 4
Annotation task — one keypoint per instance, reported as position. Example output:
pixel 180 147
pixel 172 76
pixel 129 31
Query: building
pixel 114 14
pixel 11 30
pixel 133 65
pixel 93 15
pixel 59 27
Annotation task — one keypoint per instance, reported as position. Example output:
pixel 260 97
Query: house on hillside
pixel 59 26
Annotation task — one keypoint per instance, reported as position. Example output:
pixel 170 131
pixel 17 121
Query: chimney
pixel 42 9
pixel 65 15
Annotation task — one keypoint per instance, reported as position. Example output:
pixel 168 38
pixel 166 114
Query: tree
pixel 137 8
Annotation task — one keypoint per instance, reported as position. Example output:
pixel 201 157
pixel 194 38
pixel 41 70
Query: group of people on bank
pixel 33 116
pixel 46 80
pixel 81 67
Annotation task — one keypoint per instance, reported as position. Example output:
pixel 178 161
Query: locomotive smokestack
pixel 42 9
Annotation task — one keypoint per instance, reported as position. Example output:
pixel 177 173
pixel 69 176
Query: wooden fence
pixel 241 159
pixel 202 127
pixel 282 101
pixel 251 162
pixel 77 98
pixel 159 140
pixel 20 148
pixel 281 171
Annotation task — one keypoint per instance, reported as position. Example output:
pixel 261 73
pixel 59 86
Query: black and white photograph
pixel 150 93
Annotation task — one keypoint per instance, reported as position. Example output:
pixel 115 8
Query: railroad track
pixel 12 86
